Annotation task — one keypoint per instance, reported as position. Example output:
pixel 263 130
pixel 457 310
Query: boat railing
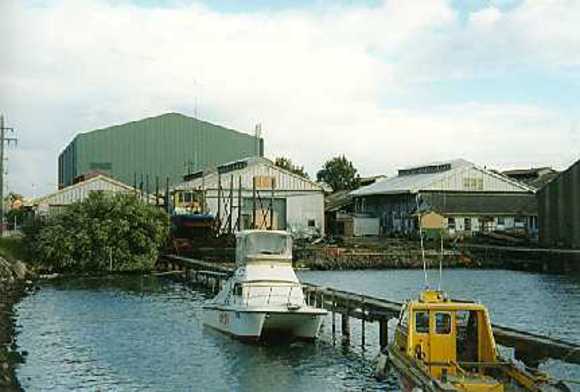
pixel 273 297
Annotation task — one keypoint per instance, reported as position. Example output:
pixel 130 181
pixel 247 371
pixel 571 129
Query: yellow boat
pixel 441 345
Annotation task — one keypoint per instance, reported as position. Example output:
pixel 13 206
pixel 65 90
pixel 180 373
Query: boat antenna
pixel 422 244
pixel 440 260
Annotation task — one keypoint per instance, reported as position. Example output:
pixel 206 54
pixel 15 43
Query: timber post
pixel 333 318
pixel 383 333
pixel 363 332
pixel 345 327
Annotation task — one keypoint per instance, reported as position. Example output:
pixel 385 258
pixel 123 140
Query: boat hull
pixel 259 324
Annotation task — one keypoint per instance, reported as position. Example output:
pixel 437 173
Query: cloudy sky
pixel 388 83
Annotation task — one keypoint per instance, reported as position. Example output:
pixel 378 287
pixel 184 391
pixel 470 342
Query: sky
pixel 388 83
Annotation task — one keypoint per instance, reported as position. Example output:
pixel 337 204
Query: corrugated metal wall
pixel 297 200
pixel 158 147
pixel 559 210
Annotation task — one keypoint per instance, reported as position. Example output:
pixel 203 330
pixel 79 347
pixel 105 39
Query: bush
pixel 100 231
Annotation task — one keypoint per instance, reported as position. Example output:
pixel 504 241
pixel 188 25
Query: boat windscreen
pixel 264 243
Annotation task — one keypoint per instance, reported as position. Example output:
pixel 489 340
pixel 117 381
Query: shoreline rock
pixel 13 285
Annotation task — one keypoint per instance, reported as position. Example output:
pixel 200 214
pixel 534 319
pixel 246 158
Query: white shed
pixel 228 193
pixel 78 192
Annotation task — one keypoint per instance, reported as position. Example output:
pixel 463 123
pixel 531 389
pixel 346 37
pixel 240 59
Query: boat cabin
pixel 255 246
pixel 447 337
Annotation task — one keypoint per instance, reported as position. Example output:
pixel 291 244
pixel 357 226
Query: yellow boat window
pixel 422 322
pixel 442 323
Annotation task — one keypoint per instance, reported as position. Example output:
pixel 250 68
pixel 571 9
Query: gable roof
pixel 553 181
pixel 337 201
pixel 246 169
pixel 112 183
pixel 442 176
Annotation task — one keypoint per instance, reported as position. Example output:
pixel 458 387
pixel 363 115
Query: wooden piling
pixel 363 332
pixel 345 327
pixel 383 333
pixel 333 313
pixel 381 310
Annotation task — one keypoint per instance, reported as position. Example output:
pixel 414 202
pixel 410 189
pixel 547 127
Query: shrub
pixel 103 230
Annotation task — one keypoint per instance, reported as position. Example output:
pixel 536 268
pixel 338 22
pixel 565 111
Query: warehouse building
pixel 456 197
pixel 253 193
pixel 141 153
pixel 535 177
pixel 94 182
pixel 559 210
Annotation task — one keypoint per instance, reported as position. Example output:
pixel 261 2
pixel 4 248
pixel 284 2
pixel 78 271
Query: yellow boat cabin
pixel 446 345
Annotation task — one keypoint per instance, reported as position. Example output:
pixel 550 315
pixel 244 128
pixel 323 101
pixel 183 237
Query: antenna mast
pixel 422 244
pixel 440 260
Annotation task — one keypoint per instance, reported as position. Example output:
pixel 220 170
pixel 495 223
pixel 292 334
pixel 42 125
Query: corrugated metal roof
pixel 337 200
pixel 79 190
pixel 247 169
pixel 447 180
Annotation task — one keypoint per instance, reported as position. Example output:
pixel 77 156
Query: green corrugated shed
pixel 167 146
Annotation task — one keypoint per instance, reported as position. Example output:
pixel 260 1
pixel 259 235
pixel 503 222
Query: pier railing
pixel 529 347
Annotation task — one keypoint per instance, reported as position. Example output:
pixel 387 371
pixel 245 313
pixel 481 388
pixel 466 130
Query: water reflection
pixel 144 334
pixel 141 333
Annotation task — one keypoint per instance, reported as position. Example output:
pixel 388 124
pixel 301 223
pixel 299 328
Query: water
pixel 145 334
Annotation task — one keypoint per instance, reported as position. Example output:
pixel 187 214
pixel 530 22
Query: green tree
pixel 15 216
pixel 340 174
pixel 287 164
pixel 100 231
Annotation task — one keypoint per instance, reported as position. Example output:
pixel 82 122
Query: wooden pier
pixel 530 348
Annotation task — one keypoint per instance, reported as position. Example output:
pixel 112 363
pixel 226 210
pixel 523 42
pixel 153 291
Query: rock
pixel 19 269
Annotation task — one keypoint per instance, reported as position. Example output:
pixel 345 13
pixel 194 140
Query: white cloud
pixel 321 81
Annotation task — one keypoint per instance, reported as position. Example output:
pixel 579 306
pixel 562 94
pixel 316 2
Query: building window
pixel 467 224
pixel 520 222
pixel 473 184
pixel 422 322
pixel 451 223
pixel 311 223
pixel 442 323
pixel 500 220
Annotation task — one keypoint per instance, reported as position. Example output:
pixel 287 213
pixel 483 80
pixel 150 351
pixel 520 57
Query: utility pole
pixel 7 140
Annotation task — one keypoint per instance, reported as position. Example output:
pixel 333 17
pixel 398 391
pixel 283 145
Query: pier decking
pixel 530 348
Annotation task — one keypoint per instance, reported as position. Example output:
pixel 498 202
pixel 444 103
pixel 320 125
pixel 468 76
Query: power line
pixel 3 140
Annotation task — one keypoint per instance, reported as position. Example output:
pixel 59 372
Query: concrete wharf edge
pixel 529 347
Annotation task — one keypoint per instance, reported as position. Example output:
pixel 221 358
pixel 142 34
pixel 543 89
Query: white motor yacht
pixel 264 297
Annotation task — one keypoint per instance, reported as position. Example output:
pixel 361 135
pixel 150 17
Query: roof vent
pixel 230 167
pixel 429 169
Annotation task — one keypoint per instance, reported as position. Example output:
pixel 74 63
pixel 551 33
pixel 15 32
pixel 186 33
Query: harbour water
pixel 142 333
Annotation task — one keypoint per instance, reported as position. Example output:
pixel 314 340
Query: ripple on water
pixel 144 334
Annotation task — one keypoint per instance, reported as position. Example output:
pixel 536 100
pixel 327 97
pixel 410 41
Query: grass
pixel 13 248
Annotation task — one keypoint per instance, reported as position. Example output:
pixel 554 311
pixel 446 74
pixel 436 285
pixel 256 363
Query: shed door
pixel 263 206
